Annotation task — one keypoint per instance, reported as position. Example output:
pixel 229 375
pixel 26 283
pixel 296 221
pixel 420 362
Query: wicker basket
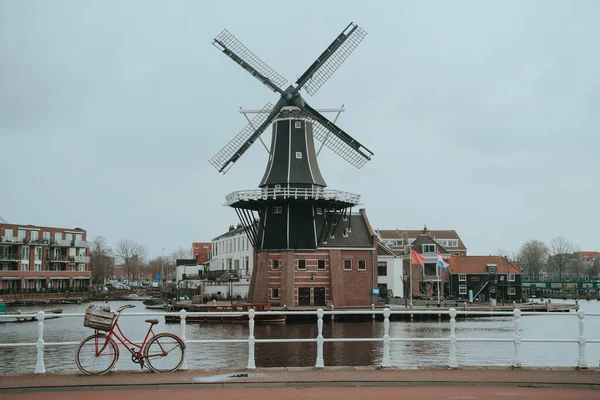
pixel 98 319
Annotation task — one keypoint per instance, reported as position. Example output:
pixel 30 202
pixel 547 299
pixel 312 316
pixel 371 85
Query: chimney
pixel 239 225
pixel 231 228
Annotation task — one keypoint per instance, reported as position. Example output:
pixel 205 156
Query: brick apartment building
pixel 202 252
pixel 36 259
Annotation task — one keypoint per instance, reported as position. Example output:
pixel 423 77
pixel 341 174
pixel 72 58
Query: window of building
pixel 462 277
pixel 35 235
pixel 511 277
pixel 22 233
pixel 301 264
pixel 382 268
pixel 462 289
pixel 399 242
pixel 277 210
pixel 299 155
pixel 321 264
pixel 274 293
pixel 512 291
pixel 8 232
pixel 275 264
pixel 347 265
pixel 37 267
pixel 491 268
pixel 319 211
pixel 69 236
pixel 24 267
pixel 236 264
pixel 57 235
pixel 298 124
pixel 25 253
pixel 428 248
pixel 430 269
pixel 362 265
pixel 81 267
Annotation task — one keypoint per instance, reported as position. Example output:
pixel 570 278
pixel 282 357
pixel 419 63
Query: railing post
pixel 452 362
pixel 320 363
pixel 581 362
pixel 373 309
pixel 386 362
pixel 517 339
pixel 39 365
pixel 182 316
pixel 251 363
pixel 332 311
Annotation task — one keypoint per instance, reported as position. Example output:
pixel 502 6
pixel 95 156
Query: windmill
pixel 292 209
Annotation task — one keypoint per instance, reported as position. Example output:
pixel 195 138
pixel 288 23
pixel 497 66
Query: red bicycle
pixel 98 353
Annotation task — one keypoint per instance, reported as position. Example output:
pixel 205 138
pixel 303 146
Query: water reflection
pixel 405 354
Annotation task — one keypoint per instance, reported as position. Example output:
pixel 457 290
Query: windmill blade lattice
pixel 331 59
pixel 335 144
pixel 222 158
pixel 245 58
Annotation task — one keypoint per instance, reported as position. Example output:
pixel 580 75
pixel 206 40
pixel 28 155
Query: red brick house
pixel 342 271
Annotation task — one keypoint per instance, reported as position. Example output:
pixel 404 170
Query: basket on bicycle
pixel 98 319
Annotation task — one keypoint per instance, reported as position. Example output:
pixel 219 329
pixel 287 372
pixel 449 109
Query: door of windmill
pixel 319 299
pixel 304 296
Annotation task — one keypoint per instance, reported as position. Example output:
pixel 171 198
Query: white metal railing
pixel 81 259
pixel 292 193
pixel 386 340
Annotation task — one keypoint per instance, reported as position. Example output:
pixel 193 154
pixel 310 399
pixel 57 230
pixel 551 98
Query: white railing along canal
pixel 320 341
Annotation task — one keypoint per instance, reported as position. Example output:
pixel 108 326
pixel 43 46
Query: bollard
pixel 320 363
pixel 214 302
pixel 251 362
pixel 386 362
pixel 182 316
pixel 517 339
pixel 581 361
pixel 452 361
pixel 39 365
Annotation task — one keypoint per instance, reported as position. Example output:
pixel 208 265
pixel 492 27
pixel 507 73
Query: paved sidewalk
pixel 567 378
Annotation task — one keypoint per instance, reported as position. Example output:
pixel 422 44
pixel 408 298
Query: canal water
pixel 403 354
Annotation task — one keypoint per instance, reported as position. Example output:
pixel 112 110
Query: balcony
pixel 80 259
pixel 57 258
pixel 10 257
pixel 11 240
pixel 80 243
pixel 68 243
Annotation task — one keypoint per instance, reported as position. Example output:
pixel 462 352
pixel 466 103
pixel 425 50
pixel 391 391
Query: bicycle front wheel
pixel 164 352
pixel 93 357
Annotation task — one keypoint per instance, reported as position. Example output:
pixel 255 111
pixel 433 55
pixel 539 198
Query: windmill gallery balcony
pixel 292 193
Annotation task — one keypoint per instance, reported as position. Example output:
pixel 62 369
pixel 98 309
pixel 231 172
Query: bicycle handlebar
pixel 126 306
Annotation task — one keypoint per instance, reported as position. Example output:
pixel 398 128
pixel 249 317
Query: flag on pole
pixel 417 258
pixel 442 263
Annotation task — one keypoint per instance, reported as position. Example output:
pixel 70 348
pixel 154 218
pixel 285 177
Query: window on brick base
pixel 302 264
pixel 347 265
pixel 362 265
pixel 382 268
pixel 275 264
pixel 512 291
pixel 462 289
pixel 274 293
pixel 321 264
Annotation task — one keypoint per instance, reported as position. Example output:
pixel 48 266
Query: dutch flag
pixel 442 263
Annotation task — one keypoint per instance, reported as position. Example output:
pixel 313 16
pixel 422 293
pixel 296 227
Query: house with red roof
pixel 489 278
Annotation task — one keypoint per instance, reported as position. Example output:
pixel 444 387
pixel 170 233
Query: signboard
pixel 158 277
pixel 375 290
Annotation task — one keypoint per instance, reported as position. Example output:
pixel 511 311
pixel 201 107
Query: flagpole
pixel 410 278
pixel 437 275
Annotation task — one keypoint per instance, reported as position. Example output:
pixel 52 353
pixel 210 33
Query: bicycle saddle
pixel 152 321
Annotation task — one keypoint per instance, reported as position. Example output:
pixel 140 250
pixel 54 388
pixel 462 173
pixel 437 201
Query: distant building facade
pixel 37 259
pixel 202 251
pixel 487 277
pixel 390 272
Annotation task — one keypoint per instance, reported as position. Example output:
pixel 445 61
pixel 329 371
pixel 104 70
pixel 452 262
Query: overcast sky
pixel 483 116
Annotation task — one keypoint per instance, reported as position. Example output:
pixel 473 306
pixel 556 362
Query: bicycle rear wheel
pixel 164 352
pixel 92 359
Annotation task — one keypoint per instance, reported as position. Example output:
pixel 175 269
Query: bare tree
pixel 512 256
pixel 101 260
pixel 562 255
pixel 532 257
pixel 132 256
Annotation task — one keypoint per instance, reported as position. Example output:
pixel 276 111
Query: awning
pixel 10 278
pixel 59 277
